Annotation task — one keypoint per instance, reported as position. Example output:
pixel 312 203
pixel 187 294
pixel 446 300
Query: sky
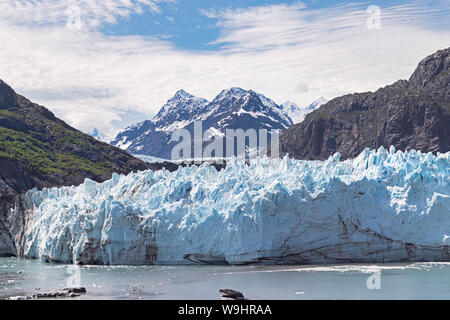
pixel 107 64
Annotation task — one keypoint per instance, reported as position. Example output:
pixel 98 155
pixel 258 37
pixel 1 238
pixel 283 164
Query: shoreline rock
pixel 230 294
pixel 64 293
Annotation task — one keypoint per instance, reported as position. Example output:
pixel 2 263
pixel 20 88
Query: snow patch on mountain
pixel 381 206
pixel 99 136
pixel 316 104
pixel 298 114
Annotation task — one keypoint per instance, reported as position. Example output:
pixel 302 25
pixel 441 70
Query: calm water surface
pixel 396 281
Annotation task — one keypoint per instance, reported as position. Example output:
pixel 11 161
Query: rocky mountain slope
pixel 39 150
pixel 233 108
pixel 412 114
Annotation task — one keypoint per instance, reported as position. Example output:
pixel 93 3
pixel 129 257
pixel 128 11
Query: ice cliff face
pixel 381 206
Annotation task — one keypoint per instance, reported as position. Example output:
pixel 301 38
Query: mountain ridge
pixel 232 108
pixel 409 114
pixel 30 132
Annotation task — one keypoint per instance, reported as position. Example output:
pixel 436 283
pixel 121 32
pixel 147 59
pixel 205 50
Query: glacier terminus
pixel 382 206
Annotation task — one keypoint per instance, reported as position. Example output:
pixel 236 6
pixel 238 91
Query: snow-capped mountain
pixel 180 108
pixel 233 108
pixel 153 135
pixel 298 114
pixel 99 136
pixel 316 104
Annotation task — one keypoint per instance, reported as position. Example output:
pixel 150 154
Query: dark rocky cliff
pixel 412 114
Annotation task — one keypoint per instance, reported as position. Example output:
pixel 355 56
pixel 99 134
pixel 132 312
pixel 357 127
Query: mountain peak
pixel 182 106
pixel 321 100
pixel 293 111
pixel 182 94
pixel 7 95
pixel 236 90
pixel 432 74
pixel 298 114
pixel 289 105
pixel 233 92
pixel 316 104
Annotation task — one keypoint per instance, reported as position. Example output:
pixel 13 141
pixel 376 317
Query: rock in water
pixel 77 290
pixel 20 298
pixel 229 294
pixel 64 293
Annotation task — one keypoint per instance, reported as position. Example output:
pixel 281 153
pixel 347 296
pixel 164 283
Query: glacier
pixel 383 206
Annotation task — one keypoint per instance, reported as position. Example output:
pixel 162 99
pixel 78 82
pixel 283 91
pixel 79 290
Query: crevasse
pixel 381 206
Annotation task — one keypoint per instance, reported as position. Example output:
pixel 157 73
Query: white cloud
pixel 271 27
pixel 52 12
pixel 287 52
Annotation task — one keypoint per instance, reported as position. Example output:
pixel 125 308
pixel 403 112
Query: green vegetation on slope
pixel 42 157
pixel 42 147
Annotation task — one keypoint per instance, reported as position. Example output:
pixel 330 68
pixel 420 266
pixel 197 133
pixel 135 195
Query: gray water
pixel 386 281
